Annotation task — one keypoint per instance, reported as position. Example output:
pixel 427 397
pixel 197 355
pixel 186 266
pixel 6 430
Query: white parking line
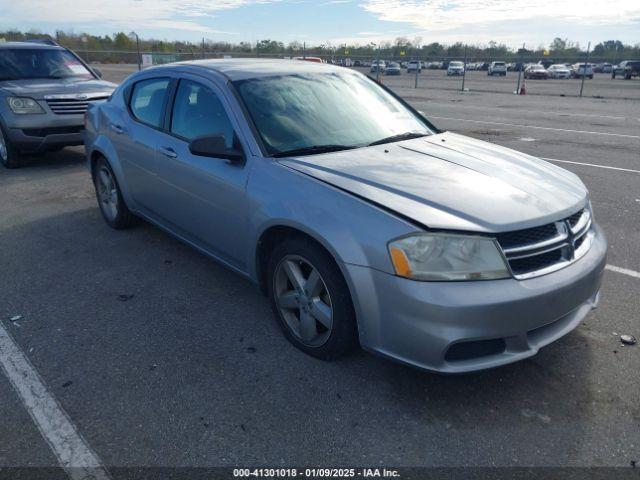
pixel 624 271
pixel 591 165
pixel 537 127
pixel 72 451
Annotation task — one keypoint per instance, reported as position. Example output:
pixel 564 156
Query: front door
pixel 205 197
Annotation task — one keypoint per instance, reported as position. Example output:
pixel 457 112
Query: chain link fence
pixel 434 73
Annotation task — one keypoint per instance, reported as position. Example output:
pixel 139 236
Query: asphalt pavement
pixel 161 357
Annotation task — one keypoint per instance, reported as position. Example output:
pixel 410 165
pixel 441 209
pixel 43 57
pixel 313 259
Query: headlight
pixel 24 105
pixel 441 257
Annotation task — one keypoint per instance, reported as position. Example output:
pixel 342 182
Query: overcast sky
pixel 513 22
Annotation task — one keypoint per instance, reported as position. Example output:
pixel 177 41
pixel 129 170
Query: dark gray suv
pixel 44 91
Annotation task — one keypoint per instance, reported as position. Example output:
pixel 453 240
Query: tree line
pixel 111 48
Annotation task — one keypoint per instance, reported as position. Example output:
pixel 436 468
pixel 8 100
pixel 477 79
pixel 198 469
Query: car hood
pixel 39 88
pixel 449 181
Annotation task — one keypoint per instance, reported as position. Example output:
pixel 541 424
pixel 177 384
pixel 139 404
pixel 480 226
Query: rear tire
pixel 9 155
pixel 311 300
pixel 112 205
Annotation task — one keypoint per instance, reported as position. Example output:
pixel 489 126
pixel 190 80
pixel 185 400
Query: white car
pixel 414 65
pixel 455 68
pixel 497 68
pixel 377 65
pixel 579 70
pixel 559 70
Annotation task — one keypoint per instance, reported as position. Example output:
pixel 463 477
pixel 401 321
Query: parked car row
pixel 534 71
pixel 626 69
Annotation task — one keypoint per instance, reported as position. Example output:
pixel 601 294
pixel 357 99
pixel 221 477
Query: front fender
pixel 351 229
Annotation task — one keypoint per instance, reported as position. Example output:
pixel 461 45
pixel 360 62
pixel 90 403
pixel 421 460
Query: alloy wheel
pixel 107 192
pixel 303 300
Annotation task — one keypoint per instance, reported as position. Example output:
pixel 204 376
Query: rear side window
pixel 197 112
pixel 147 100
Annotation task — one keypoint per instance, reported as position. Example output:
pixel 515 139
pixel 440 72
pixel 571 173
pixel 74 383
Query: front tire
pixel 311 300
pixel 112 205
pixel 9 155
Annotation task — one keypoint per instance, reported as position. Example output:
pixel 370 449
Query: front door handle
pixel 117 128
pixel 168 152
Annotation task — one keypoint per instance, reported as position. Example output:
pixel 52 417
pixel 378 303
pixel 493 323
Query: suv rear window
pixel 147 100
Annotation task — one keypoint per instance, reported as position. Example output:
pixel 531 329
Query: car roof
pixel 246 68
pixel 29 45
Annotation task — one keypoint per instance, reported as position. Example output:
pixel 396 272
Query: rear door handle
pixel 168 152
pixel 117 128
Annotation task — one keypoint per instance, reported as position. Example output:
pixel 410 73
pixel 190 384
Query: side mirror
pixel 97 71
pixel 215 146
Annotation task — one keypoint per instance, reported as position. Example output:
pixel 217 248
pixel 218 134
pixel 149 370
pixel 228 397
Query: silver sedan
pixel 363 223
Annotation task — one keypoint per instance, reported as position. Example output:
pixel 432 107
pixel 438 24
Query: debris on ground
pixel 251 349
pixel 15 318
pixel 124 297
pixel 628 339
pixel 67 384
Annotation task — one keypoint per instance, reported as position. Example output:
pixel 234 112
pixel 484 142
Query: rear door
pixel 205 197
pixel 136 135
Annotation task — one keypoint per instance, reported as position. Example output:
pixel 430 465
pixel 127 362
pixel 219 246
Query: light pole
pixel 520 70
pixel 584 69
pixel 377 62
pixel 464 68
pixel 418 65
pixel 138 48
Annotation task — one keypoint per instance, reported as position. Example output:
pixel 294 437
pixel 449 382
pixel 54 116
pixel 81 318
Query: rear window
pixel 499 64
pixel 147 100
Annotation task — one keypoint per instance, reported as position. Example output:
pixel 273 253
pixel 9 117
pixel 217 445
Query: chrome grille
pixel 73 104
pixel 539 250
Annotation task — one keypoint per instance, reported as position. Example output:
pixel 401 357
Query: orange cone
pixel 523 88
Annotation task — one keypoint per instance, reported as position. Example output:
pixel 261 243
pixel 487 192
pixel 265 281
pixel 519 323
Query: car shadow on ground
pixel 109 310
pixel 43 166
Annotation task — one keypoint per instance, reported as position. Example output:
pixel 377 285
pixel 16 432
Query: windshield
pixel 339 109
pixel 26 63
pixel 455 64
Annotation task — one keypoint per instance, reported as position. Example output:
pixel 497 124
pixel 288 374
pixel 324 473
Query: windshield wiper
pixel 398 138
pixel 313 149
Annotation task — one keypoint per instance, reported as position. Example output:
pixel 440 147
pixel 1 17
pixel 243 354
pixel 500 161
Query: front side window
pixel 301 111
pixel 197 112
pixel 49 63
pixel 147 100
